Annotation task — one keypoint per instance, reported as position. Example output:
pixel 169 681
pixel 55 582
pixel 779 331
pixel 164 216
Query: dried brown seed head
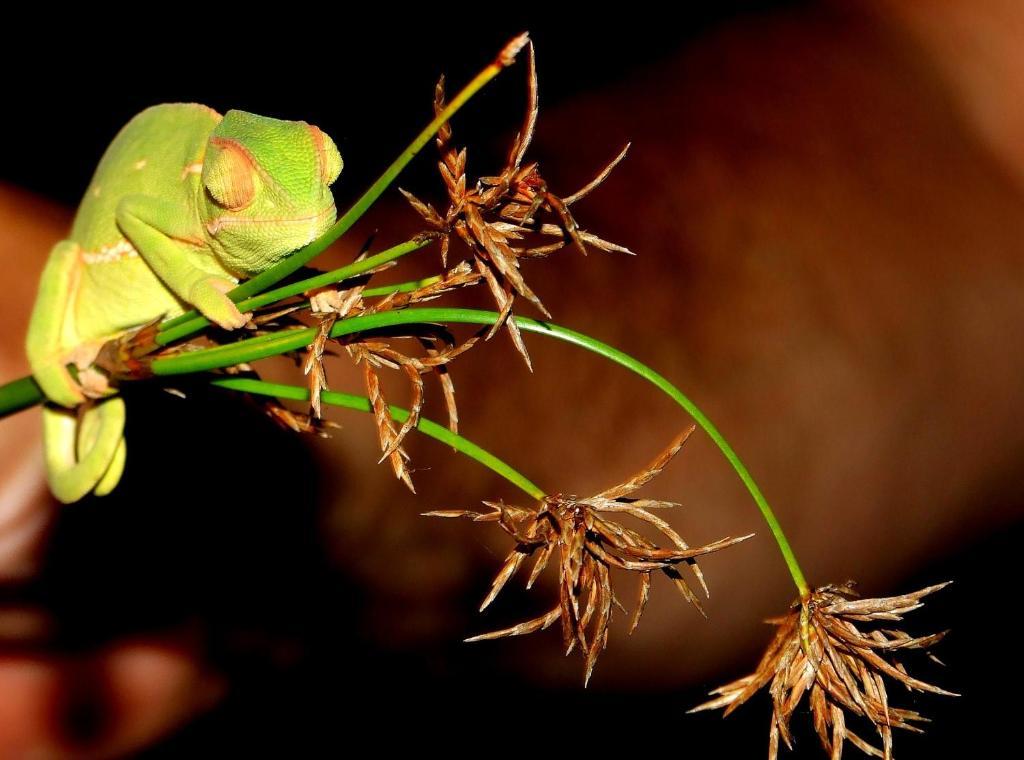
pixel 827 647
pixel 586 540
pixel 492 213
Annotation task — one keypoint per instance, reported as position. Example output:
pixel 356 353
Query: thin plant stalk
pixel 19 394
pixel 291 340
pixel 15 395
pixel 178 327
pixel 362 404
pixel 24 393
pixel 400 287
pixel 303 256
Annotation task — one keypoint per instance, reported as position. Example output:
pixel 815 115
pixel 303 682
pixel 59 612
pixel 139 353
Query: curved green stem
pixel 271 345
pixel 401 287
pixel 663 384
pixel 362 404
pixel 290 340
pixel 19 394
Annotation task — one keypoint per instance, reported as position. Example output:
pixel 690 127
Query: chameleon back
pixel 158 153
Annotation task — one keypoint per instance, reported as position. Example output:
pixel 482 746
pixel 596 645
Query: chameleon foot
pixel 210 297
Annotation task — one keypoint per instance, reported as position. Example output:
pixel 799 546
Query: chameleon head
pixel 266 188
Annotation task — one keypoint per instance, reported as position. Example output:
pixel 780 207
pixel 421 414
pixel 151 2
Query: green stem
pixel 400 287
pixel 303 256
pixel 271 345
pixel 181 327
pixel 362 404
pixel 19 394
pixel 663 384
pixel 24 392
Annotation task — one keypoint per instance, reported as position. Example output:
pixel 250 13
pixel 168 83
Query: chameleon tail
pixel 113 474
pixel 86 455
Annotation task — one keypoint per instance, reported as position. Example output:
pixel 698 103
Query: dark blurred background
pixel 825 200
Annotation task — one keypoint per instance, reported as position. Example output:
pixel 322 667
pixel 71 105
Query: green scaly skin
pixel 184 203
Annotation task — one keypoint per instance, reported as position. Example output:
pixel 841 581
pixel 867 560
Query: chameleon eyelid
pixel 228 175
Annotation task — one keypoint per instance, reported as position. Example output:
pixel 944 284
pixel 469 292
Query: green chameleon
pixel 184 203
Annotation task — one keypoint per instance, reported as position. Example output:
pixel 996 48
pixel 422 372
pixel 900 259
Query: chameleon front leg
pixel 86 456
pixel 158 229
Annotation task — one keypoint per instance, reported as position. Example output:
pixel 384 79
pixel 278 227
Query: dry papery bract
pixel 374 352
pixel 488 218
pixel 493 217
pixel 839 649
pixel 587 542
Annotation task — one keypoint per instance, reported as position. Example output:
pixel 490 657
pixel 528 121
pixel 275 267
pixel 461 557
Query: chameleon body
pixel 184 203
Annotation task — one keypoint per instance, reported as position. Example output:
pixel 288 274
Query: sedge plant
pixel 832 647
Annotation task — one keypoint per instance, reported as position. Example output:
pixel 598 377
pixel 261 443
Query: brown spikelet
pixel 430 216
pixel 127 357
pixel 597 181
pixel 328 305
pixel 386 426
pixel 376 354
pixel 296 421
pixel 820 648
pixel 586 543
pixel 503 208
pixel 438 360
pixel 507 55
pixel 459 277
pixel 416 402
pixel 313 367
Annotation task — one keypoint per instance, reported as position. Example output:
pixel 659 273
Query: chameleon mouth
pixel 321 222
pixel 317 221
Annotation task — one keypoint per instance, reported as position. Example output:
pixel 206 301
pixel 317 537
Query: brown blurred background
pixel 826 202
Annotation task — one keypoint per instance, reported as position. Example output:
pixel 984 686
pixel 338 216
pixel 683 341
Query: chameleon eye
pixel 228 174
pixel 327 155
